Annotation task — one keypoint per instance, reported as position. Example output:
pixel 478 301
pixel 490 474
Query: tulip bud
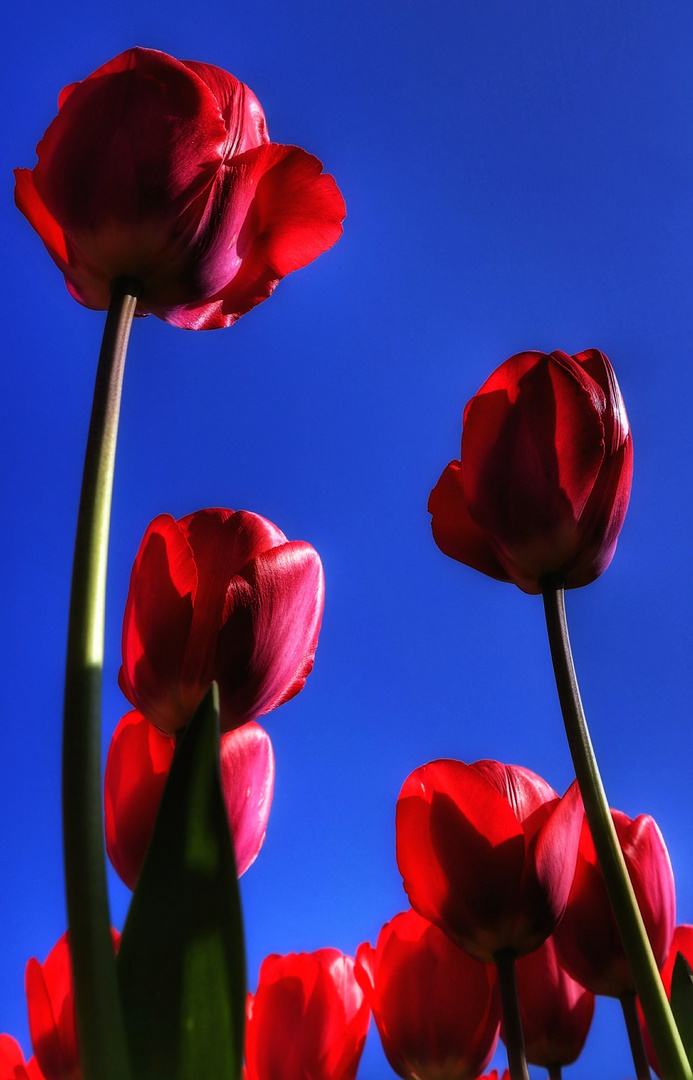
pixel 219 596
pixel 162 170
pixel 436 1008
pixel 487 853
pixel 307 1018
pixel 544 479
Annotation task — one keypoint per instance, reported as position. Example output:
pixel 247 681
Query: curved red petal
pixel 281 211
pixel 455 531
pixel 244 118
pixel 525 790
pixel 461 853
pixel 247 777
pixel 138 762
pixel 156 624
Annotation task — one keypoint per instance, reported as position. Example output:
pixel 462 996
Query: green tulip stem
pixel 99 1021
pixel 660 1021
pixel 555 1072
pixel 512 1021
pixel 637 1043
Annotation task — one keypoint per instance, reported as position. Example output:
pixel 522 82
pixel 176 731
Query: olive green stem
pixel 99 1021
pixel 512 1021
pixel 636 945
pixel 637 1043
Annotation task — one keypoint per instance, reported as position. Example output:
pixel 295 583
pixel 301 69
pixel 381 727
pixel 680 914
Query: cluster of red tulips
pixel 524 904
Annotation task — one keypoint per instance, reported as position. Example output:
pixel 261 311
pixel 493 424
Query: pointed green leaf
pixel 181 963
pixel 682 1002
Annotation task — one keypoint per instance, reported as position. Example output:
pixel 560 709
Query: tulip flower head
pixel 138 763
pixel 219 596
pixel 307 1019
pixel 436 1008
pixel 588 943
pixel 162 170
pixel 51 1003
pixel 543 483
pixel 556 1011
pixel 487 853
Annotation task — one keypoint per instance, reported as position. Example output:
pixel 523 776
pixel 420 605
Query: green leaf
pixel 682 1002
pixel 181 961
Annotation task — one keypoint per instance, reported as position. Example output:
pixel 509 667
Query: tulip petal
pixel 243 116
pixel 524 790
pixel 461 853
pixel 157 620
pixel 454 529
pixel 247 780
pixel 282 212
pixel 266 646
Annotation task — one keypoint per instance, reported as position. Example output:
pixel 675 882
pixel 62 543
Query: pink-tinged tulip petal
pixel 139 759
pixel 162 170
pixel 12 1064
pixel 587 940
pixel 544 479
pixel 219 596
pixel 308 1018
pixel 556 1011
pixel 487 853
pixel 436 1008
pixel 51 1005
pixel 681 942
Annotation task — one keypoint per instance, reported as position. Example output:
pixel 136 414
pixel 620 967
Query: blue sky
pixel 517 176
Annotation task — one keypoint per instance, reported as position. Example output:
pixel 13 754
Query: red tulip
pixel 219 596
pixel 307 1020
pixel 556 1011
pixel 12 1064
pixel 681 942
pixel 139 759
pixel 50 999
pixel 487 853
pixel 587 940
pixel 437 1009
pixel 544 481
pixel 162 170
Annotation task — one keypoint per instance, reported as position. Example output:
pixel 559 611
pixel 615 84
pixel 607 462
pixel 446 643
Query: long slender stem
pixel 637 1044
pixel 512 1021
pixel 636 945
pixel 99 1022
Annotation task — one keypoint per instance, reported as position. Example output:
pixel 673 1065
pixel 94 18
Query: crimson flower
pixel 219 596
pixel 487 853
pixel 587 940
pixel 162 170
pixel 51 1003
pixel 544 481
pixel 307 1020
pixel 436 1008
pixel 12 1063
pixel 139 759
pixel 556 1011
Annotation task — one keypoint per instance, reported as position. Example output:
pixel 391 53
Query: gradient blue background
pixel 518 175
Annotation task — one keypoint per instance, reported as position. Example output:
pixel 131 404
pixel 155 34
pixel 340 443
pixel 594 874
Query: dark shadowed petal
pixel 455 531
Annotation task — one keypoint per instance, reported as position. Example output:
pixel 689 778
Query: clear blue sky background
pixel 517 176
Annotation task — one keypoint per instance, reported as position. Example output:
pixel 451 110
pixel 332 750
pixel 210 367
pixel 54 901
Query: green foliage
pixel 181 962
